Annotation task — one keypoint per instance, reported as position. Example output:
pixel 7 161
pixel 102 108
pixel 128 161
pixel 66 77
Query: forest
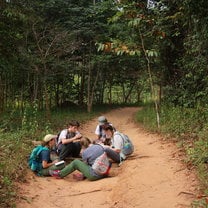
pixel 61 52
pixel 83 56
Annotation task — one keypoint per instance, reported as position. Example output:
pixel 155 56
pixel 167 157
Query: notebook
pixel 59 163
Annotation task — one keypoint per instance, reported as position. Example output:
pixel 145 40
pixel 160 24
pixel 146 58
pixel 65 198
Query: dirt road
pixel 154 177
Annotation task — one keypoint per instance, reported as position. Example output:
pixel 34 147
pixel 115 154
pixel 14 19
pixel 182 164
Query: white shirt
pixel 63 135
pixel 117 141
pixel 98 132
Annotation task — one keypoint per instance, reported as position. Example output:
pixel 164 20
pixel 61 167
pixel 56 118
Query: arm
pixel 97 132
pixel 85 156
pixel 117 143
pixel 45 163
pixel 112 148
pixel 116 150
pixel 63 137
pixel 45 154
pixel 76 137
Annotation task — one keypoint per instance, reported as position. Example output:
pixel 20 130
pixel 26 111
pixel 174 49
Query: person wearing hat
pixel 47 162
pixel 99 132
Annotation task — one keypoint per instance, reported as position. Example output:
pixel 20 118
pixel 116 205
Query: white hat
pixel 48 137
pixel 102 120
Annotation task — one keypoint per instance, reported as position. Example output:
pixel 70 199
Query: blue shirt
pixel 90 154
pixel 45 156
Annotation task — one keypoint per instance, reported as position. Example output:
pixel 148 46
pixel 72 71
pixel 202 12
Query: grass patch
pixel 14 150
pixel 147 117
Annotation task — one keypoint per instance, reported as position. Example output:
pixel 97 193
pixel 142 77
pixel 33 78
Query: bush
pixel 14 149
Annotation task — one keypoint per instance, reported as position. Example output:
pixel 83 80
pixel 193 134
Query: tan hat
pixel 48 137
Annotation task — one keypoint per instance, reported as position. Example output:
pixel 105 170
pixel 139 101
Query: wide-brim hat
pixel 48 137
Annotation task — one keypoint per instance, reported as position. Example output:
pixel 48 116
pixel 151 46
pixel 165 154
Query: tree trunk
pixel 129 93
pixel 1 95
pixel 151 81
pixel 91 86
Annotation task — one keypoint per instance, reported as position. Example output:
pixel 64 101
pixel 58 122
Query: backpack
pixel 128 147
pixel 102 165
pixel 34 159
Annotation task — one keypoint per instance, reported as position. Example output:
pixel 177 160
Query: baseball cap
pixel 102 120
pixel 48 137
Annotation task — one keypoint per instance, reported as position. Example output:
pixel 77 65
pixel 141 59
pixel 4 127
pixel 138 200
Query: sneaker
pixel 78 176
pixel 55 173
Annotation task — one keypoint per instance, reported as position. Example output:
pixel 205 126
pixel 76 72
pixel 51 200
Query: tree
pixel 137 38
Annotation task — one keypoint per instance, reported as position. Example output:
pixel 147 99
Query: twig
pixel 180 170
pixel 136 157
pixel 87 192
pixel 184 192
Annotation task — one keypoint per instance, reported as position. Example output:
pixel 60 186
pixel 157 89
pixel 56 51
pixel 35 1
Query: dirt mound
pixel 153 177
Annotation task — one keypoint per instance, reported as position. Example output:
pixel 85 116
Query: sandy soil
pixel 153 177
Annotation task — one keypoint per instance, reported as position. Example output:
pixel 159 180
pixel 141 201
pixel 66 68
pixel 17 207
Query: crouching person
pixel 91 153
pixel 121 146
pixel 40 160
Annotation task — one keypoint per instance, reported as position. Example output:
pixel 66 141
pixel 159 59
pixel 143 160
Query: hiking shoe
pixel 78 176
pixel 55 173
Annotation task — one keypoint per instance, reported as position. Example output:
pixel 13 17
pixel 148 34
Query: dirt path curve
pixel 154 177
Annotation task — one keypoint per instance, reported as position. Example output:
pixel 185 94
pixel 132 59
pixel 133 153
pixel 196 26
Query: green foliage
pixel 200 203
pixel 175 121
pixel 146 116
pixel 14 150
pixel 198 152
pixel 175 38
pixel 187 56
pixel 54 49
pixel 29 120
